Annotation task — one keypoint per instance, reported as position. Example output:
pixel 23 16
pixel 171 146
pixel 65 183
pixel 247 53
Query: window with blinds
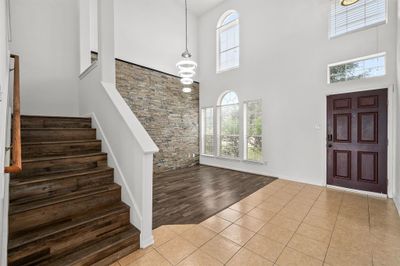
pixel 362 14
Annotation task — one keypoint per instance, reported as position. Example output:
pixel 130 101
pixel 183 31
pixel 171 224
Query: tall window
pixel 228 41
pixel 253 130
pixel 229 125
pixel 364 13
pixel 208 131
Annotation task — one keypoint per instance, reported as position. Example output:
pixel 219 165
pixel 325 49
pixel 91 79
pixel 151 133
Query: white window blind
pixel 364 13
pixel 228 42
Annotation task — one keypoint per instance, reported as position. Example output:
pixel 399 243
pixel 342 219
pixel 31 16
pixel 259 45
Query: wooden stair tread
pixel 53 229
pixel 56 117
pixel 61 142
pixel 17 208
pixel 41 159
pixel 19 181
pixel 98 250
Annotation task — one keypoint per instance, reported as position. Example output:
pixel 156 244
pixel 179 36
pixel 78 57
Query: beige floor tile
pixel 341 257
pixel 294 258
pixel 265 247
pixel 310 247
pixel 276 232
pixel 261 214
pixel 352 223
pixel 115 264
pixel 271 206
pixel 198 235
pixel 216 224
pixel 162 235
pixel 176 250
pixel 324 212
pixel 351 240
pixel 285 222
pixel 230 215
pixel 246 257
pixel 297 213
pixel 314 232
pixel 220 248
pixel 200 258
pixel 386 256
pixel 250 223
pixel 241 207
pixel 152 258
pixel 237 234
pixel 180 228
pixel 322 222
pixel 134 256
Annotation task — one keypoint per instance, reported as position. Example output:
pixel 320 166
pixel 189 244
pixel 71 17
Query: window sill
pixel 227 69
pixel 254 162
pixel 233 159
pixel 207 155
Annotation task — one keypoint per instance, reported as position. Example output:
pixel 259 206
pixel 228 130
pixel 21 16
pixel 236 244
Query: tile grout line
pixel 334 227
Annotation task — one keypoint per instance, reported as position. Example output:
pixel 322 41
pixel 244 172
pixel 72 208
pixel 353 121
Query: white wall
pixel 397 197
pixel 285 51
pixel 4 80
pixel 152 33
pixel 46 36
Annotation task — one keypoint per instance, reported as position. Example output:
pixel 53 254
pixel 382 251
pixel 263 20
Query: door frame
pixel 391 151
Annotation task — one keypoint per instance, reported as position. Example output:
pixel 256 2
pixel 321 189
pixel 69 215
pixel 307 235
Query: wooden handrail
pixel 16 159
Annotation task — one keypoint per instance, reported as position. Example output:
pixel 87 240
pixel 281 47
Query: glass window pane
pixel 208 131
pixel 254 131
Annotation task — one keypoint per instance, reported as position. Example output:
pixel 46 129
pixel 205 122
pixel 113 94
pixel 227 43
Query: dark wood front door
pixel 357 140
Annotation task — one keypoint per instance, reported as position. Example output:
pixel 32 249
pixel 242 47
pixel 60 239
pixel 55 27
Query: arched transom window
pixel 228 41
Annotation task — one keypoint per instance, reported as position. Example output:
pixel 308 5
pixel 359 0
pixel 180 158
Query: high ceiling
pixel 198 7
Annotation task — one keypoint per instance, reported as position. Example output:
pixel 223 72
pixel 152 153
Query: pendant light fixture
pixel 187 67
pixel 348 2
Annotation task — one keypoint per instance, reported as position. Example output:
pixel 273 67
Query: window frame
pixel 376 24
pixel 356 60
pixel 246 129
pixel 203 128
pixel 219 29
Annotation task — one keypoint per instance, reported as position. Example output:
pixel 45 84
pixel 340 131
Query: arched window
pixel 228 41
pixel 229 125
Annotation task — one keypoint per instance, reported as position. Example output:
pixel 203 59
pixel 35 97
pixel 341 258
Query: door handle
pixel 330 145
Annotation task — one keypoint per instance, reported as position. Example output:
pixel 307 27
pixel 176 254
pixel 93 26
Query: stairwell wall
pixel 4 127
pixel 45 35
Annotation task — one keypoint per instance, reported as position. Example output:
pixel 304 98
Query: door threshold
pixel 362 192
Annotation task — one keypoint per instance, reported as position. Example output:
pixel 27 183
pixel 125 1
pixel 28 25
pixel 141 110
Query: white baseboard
pixel 367 193
pixel 144 243
pixel 396 200
pixel 127 197
pixel 289 178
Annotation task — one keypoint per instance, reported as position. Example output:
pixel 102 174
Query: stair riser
pixel 46 122
pixel 111 254
pixel 62 165
pixel 35 191
pixel 59 212
pixel 68 240
pixel 59 149
pixel 37 135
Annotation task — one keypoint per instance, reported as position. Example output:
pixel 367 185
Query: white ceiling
pixel 199 7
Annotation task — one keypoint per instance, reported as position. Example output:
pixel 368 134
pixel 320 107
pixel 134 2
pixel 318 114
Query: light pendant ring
pixel 186 73
pixel 187 90
pixel 186 65
pixel 187 81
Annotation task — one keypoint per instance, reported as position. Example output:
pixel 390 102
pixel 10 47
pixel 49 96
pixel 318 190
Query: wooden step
pixel 28 121
pixel 103 252
pixel 58 238
pixel 37 214
pixel 57 134
pixel 59 148
pixel 53 165
pixel 38 187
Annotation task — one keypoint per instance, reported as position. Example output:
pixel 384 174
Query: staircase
pixel 65 208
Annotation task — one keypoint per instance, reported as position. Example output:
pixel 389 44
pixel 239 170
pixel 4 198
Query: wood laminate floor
pixel 191 195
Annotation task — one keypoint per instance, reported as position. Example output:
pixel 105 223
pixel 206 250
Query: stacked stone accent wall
pixel 170 116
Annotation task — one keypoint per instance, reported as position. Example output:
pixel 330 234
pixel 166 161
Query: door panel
pixel 357 140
